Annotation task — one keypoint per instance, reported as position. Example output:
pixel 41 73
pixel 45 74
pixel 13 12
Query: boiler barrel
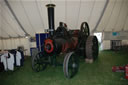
pixel 60 45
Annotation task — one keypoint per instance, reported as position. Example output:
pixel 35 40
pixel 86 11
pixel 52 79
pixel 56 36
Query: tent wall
pixel 108 36
pixel 0 44
pixel 0 19
pixel 125 42
pixel 106 45
pixel 13 43
pixel 116 35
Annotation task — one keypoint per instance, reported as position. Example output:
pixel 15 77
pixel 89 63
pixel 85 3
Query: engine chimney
pixel 50 8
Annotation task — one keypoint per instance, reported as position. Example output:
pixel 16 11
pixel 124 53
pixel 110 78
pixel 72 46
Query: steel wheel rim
pixel 72 67
pixel 38 63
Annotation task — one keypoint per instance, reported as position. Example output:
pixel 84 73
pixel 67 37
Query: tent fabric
pixel 115 17
pixel 13 43
pixel 32 15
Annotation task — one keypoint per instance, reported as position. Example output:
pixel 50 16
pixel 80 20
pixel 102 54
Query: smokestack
pixel 50 8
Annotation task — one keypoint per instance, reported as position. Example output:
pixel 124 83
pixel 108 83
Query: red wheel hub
pixel 49 47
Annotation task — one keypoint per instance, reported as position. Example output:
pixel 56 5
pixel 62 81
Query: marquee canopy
pixel 21 17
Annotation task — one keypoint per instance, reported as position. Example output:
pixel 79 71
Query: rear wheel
pixel 39 62
pixel 92 48
pixel 70 65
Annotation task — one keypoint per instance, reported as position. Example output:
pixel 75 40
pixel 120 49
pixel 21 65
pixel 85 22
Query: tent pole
pixel 105 6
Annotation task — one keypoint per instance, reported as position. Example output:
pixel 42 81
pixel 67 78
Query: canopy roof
pixel 101 15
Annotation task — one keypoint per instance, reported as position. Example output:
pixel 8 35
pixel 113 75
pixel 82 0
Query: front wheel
pixel 70 65
pixel 39 62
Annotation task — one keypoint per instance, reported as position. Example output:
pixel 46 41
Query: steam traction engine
pixel 71 43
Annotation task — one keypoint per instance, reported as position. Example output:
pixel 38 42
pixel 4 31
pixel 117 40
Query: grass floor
pixel 98 73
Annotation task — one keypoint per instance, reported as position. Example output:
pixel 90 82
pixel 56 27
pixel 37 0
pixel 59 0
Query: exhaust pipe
pixel 50 8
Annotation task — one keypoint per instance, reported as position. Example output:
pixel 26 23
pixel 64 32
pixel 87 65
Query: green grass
pixel 98 73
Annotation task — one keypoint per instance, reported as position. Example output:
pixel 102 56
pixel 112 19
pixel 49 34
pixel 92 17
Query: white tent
pixel 102 16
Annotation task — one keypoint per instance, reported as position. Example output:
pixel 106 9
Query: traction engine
pixel 70 43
